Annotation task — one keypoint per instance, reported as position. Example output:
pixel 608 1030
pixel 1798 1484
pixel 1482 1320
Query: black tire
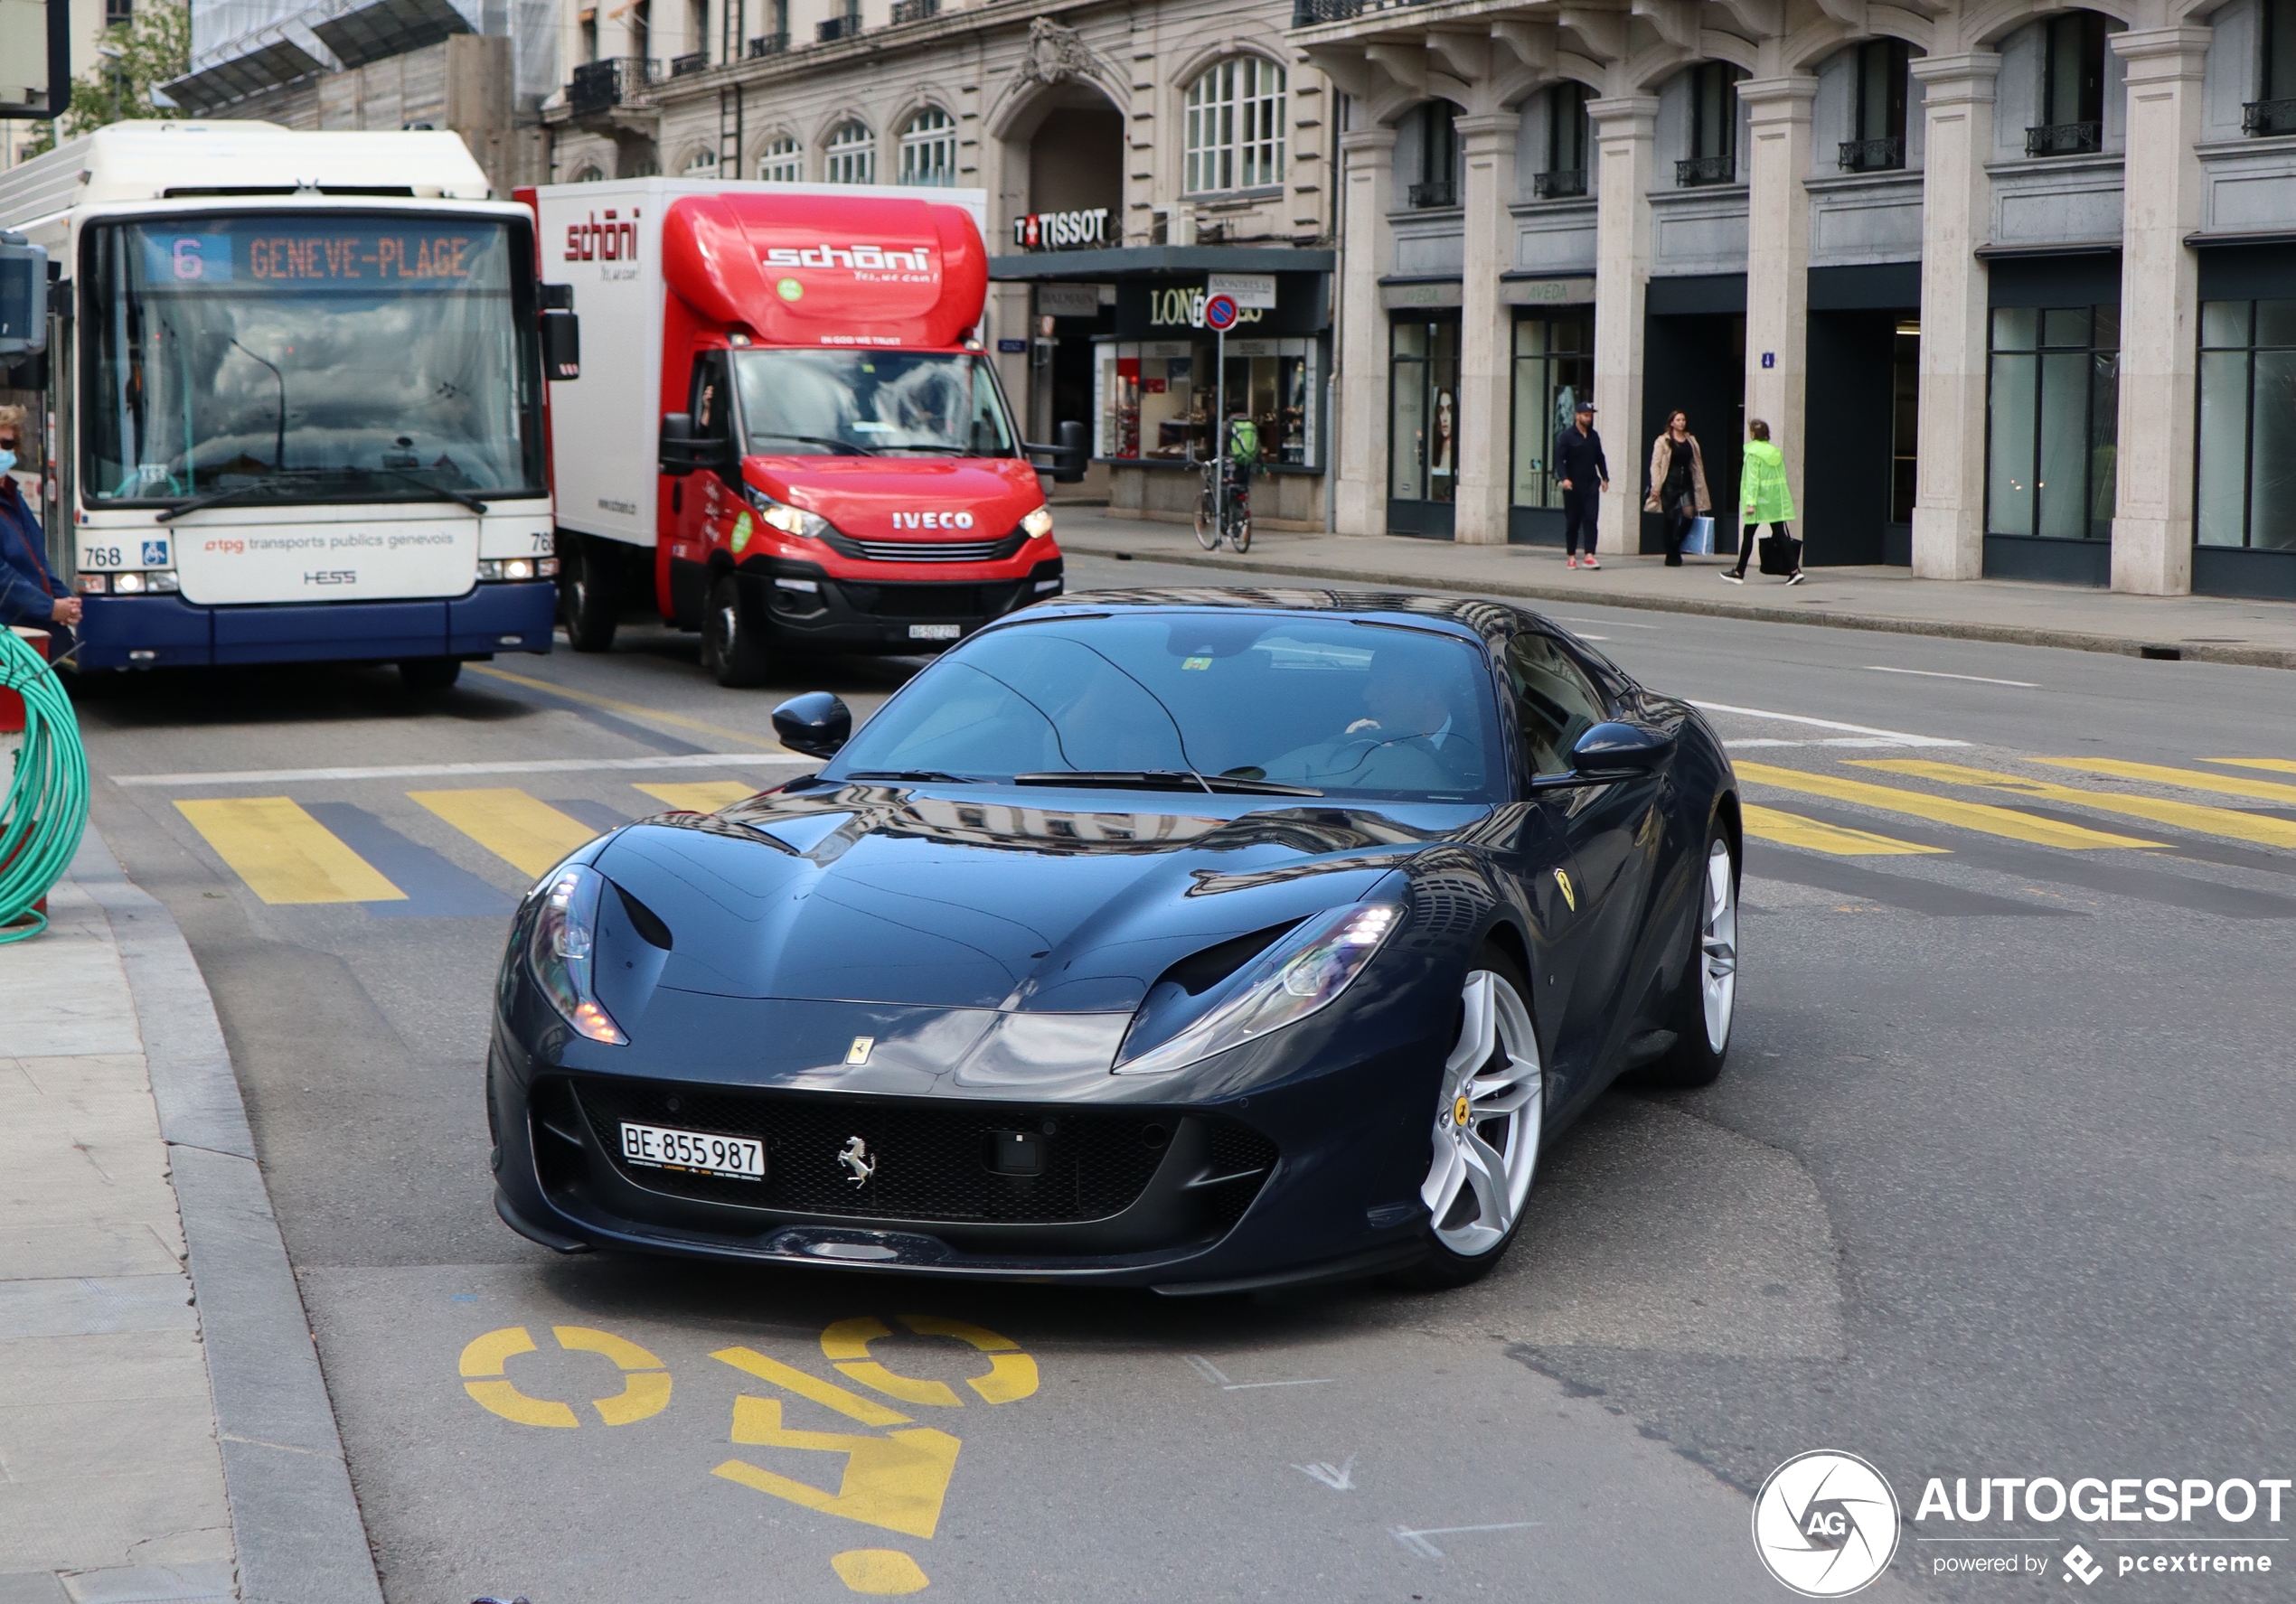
pixel 429 675
pixel 1695 1058
pixel 589 593
pixel 731 648
pixel 1443 1268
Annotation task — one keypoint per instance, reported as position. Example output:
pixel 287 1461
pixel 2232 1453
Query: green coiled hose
pixel 45 805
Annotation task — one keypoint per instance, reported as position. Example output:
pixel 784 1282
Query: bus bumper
pixel 141 632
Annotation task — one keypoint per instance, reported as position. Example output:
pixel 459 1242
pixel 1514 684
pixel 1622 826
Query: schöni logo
pixel 614 240
pixel 1825 1523
pixel 861 259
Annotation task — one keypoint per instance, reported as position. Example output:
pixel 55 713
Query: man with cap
pixel 1584 474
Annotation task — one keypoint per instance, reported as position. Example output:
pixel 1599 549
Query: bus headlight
pixel 517 568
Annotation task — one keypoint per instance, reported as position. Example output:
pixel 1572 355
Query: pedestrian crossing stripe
pixel 1791 829
pixel 285 855
pixel 2285 766
pixel 701 796
pixel 1981 817
pixel 2190 779
pixel 523 831
pixel 2258 828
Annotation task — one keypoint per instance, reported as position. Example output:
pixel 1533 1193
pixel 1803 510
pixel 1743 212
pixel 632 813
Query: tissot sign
pixel 1061 231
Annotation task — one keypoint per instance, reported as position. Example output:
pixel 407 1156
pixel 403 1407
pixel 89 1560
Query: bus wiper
pixel 216 497
pixel 842 447
pixel 441 490
pixel 1120 778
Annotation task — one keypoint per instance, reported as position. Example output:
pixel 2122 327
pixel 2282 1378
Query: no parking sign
pixel 1220 313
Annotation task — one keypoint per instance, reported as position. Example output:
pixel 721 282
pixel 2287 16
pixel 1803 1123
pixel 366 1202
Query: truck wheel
pixel 430 673
pixel 731 648
pixel 589 593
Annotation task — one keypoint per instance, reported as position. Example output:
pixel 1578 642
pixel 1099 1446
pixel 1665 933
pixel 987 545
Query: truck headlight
pixel 788 519
pixel 558 949
pixel 1304 972
pixel 1038 523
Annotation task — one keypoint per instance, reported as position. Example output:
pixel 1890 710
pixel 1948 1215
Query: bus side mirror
pixel 561 346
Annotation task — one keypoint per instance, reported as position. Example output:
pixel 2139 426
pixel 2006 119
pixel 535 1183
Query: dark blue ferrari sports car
pixel 1201 940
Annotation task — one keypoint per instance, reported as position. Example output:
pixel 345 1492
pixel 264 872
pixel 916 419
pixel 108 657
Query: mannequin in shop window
pixel 1439 454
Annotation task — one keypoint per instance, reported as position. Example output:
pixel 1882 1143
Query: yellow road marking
pixel 829 1394
pixel 879 1571
pixel 897 1482
pixel 702 796
pixel 2229 822
pixel 846 1344
pixel 632 709
pixel 2190 779
pixel 525 832
pixel 485 1356
pixel 2279 765
pixel 285 855
pixel 1981 817
pixel 645 1391
pixel 1012 1375
pixel 1791 829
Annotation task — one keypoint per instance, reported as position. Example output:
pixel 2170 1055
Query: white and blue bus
pixel 293 397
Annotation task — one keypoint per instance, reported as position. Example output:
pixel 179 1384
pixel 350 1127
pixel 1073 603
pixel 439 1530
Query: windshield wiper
pixel 216 497
pixel 1120 778
pixel 441 490
pixel 1244 787
pixel 917 776
pixel 842 447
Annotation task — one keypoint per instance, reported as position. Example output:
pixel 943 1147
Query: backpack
pixel 1243 441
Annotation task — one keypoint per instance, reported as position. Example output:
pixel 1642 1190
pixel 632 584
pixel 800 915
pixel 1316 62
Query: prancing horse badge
pixel 858 1165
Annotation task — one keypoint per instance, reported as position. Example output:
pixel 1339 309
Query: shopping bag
pixel 1700 540
pixel 1781 554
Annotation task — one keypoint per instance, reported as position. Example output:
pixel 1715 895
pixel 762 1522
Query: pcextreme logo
pixel 1825 1523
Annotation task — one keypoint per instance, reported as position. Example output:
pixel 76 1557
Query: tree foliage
pixel 150 50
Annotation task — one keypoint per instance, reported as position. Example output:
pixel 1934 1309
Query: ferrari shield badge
pixel 1570 897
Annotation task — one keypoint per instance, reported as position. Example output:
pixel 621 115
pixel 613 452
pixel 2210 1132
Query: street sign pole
pixel 1220 313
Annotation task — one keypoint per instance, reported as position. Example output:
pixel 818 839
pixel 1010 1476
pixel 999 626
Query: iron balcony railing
pixel 915 11
pixel 1694 171
pixel 1873 156
pixel 769 45
pixel 600 86
pixel 691 62
pixel 1560 183
pixel 1435 192
pixel 1307 13
pixel 2268 117
pixel 847 25
pixel 2064 139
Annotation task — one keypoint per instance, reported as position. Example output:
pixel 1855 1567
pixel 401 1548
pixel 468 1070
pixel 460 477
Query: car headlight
pixel 559 950
pixel 1306 972
pixel 1038 523
pixel 788 519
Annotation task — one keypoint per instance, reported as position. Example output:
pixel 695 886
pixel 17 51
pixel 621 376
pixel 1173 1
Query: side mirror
pixel 682 452
pixel 561 346
pixel 1616 750
pixel 817 724
pixel 1069 459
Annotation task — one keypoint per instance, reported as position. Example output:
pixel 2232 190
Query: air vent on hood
pixel 1199 972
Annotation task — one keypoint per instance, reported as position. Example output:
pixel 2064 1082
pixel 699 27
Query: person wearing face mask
pixel 29 593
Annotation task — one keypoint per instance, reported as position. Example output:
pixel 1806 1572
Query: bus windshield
pixel 870 403
pixel 331 356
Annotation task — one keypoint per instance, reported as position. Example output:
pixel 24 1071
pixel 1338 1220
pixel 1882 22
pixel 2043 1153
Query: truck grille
pixel 927 601
pixel 932 1160
pixel 845 545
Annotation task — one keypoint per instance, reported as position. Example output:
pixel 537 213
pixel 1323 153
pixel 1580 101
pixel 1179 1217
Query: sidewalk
pixel 2206 629
pixel 164 1434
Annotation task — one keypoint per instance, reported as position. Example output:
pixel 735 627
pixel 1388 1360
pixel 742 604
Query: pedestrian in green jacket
pixel 1763 498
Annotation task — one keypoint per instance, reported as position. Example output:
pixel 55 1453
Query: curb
pixel 295 1519
pixel 2008 634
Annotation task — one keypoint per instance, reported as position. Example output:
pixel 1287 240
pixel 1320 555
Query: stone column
pixel 1486 331
pixel 2160 311
pixel 1626 137
pixel 1367 252
pixel 1778 274
pixel 1957 205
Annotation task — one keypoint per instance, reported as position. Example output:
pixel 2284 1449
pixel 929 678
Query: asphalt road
pixel 1998 1182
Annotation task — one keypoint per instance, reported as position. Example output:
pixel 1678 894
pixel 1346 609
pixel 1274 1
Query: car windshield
pixel 311 356
pixel 870 403
pixel 1336 706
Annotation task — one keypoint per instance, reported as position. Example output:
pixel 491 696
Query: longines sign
pixel 1061 231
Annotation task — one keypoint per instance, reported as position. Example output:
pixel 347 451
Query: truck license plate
pixel 657 1147
pixel 934 632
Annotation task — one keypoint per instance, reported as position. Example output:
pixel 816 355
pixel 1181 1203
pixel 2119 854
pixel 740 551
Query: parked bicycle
pixel 1223 503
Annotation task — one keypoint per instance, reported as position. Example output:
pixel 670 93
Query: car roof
pixel 1491 622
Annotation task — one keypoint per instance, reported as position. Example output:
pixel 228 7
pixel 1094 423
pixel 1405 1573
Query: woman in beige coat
pixel 1677 482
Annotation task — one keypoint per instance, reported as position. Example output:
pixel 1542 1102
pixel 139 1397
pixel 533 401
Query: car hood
pixel 991 897
pixel 917 498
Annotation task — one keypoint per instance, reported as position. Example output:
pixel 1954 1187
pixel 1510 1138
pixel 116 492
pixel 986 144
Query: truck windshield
pixel 870 403
pixel 328 356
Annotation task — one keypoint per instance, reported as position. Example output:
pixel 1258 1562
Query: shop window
pixel 784 160
pixel 928 148
pixel 851 155
pixel 2274 110
pixel 1714 127
pixel 2247 470
pixel 1439 171
pixel 1569 132
pixel 1423 425
pixel 1234 127
pixel 2072 87
pixel 1155 398
pixel 1554 372
pixel 1877 142
pixel 2054 402
pixel 1905 422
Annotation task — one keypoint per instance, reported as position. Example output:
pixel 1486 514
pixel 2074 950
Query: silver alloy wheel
pixel 1718 947
pixel 1487 1126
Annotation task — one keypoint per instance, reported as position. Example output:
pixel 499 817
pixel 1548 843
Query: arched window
pixel 592 173
pixel 851 155
pixel 1235 126
pixel 702 163
pixel 784 160
pixel 928 148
